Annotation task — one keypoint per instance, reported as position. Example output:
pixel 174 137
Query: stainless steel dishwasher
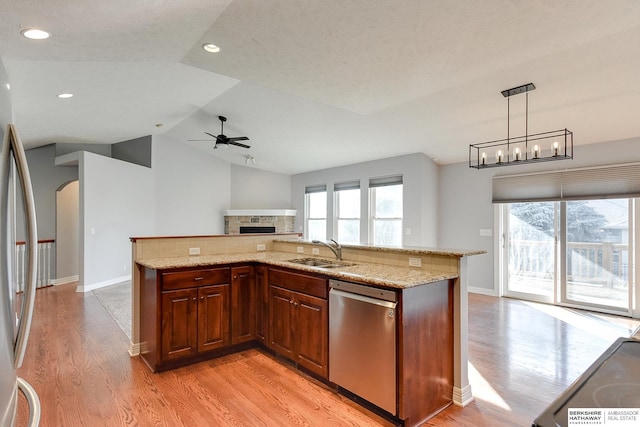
pixel 362 342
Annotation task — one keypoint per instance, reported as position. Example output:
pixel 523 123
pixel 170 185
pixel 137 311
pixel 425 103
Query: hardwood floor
pixel 522 356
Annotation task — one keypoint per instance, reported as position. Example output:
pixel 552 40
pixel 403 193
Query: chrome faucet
pixel 337 249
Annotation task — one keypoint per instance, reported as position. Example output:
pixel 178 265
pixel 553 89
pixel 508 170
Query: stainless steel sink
pixel 320 262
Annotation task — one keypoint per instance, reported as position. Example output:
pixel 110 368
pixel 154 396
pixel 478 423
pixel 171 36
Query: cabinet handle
pixel 202 298
pixel 235 277
pixel 198 278
pixel 194 298
pixel 295 304
pixel 291 302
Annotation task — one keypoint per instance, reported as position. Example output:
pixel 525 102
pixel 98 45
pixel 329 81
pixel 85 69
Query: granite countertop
pixel 362 272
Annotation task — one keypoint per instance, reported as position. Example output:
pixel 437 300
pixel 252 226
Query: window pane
pixel 387 232
pixel 598 252
pixel 348 231
pixel 531 248
pixel 348 203
pixel 317 229
pixel 388 201
pixel 317 205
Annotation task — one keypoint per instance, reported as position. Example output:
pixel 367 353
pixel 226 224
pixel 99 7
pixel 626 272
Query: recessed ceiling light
pixel 35 34
pixel 8 86
pixel 211 48
pixel 65 95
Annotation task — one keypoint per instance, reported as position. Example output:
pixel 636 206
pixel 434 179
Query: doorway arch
pixel 68 232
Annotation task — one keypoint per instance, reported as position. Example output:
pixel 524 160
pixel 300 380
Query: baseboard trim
pixel 94 286
pixel 483 291
pixel 462 397
pixel 134 349
pixel 64 280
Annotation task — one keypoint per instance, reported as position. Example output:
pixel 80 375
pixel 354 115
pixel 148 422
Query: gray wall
pixel 111 211
pixel 192 189
pixel 46 178
pixel 465 207
pixel 6 111
pixel 253 188
pixel 136 151
pixel 420 179
pixel 67 148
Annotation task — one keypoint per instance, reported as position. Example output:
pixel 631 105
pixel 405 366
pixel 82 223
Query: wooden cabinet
pixel 299 321
pixel 179 323
pixel 194 320
pixel 184 314
pixel 213 317
pixel 243 302
pixel 262 304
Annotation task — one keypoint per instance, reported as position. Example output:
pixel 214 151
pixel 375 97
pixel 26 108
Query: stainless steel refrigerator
pixel 16 297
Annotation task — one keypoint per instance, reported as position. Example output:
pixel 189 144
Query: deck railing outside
pixel 603 264
pixel 45 255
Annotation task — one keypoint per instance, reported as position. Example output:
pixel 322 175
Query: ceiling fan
pixel 224 139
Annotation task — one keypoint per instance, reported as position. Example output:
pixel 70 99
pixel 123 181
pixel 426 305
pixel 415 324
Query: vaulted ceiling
pixel 316 84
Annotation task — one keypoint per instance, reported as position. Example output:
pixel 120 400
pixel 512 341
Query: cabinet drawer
pixel 303 283
pixel 193 278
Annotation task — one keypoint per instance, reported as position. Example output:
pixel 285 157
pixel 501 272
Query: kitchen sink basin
pixel 320 262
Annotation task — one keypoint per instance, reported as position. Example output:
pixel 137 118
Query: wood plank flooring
pixel 522 356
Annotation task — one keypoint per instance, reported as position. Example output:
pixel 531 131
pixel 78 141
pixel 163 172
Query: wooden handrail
pixel 39 242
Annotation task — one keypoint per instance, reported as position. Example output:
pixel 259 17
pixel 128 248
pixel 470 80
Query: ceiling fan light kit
pixel 538 147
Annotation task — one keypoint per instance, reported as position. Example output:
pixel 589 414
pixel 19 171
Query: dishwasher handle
pixel 368 300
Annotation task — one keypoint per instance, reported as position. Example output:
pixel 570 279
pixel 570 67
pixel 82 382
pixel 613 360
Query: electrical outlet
pixel 300 249
pixel 485 232
pixel 315 251
pixel 261 247
pixel 194 251
pixel 415 262
pixel 124 267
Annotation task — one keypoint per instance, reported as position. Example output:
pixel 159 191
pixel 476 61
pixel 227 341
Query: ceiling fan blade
pixel 239 144
pixel 211 135
pixel 238 138
pixel 199 140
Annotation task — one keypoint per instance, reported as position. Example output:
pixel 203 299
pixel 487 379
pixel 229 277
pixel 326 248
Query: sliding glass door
pixel 597 253
pixel 576 253
pixel 530 237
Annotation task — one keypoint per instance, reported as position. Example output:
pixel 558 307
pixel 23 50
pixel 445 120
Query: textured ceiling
pixel 316 84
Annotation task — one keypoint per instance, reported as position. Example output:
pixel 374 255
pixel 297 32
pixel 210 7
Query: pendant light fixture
pixel 538 147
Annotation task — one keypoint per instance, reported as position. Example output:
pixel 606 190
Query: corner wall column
pixel 462 394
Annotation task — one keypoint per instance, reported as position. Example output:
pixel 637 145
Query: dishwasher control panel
pixel 368 291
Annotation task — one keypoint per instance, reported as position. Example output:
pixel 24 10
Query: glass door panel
pixel 531 250
pixel 597 253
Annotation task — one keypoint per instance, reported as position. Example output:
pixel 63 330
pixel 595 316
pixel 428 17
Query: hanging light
pixel 538 147
pixel 249 159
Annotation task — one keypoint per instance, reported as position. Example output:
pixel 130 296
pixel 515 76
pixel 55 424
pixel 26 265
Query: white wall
pixel 465 207
pixel 420 179
pixel 192 189
pixel 253 188
pixel 117 201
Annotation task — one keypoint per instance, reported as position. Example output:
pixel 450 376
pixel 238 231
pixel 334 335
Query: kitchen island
pixel 246 289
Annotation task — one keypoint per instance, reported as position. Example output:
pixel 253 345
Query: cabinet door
pixel 312 333
pixel 243 313
pixel 179 323
pixel 213 317
pixel 280 320
pixel 262 304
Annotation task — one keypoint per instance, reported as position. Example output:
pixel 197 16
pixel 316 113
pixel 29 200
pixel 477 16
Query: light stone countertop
pixel 362 272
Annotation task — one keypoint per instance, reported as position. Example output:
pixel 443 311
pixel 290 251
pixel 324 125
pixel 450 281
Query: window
pixel 385 197
pixel 316 212
pixel 347 212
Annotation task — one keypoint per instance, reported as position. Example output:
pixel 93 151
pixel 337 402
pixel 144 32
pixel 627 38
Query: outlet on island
pixel 194 251
pixel 415 262
pixel 315 251
pixel 261 247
